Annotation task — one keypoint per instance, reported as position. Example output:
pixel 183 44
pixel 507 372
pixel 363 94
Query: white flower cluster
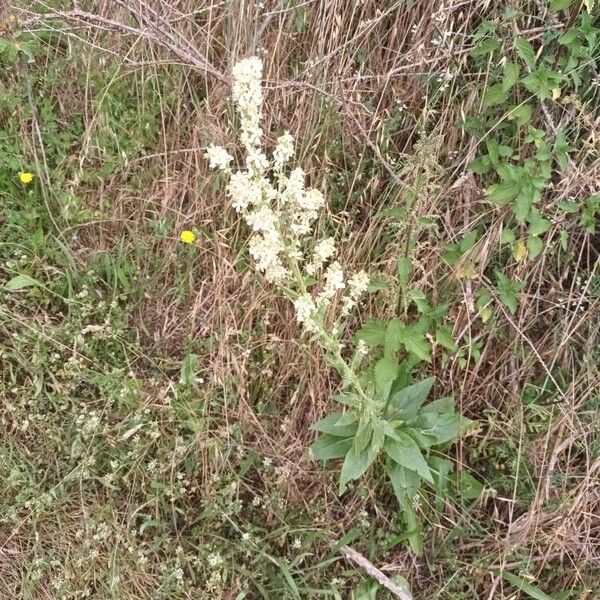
pixel 281 210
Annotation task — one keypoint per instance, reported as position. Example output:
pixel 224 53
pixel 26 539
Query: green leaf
pixel 485 47
pixel 511 75
pixel 508 291
pixel 386 371
pixel 469 487
pixel 405 482
pixel 562 149
pixel 420 300
pixel 480 165
pixel 189 369
pixel 411 398
pixel 439 406
pixel 503 193
pixel 525 51
pixel 443 336
pixel 406 485
pixel 440 469
pixel 372 333
pixel 327 447
pixel 556 5
pixel 404 269
pixel 363 436
pixel 21 281
pixel 496 94
pixel 394 334
pixel 522 206
pixel 522 114
pixel 355 465
pixel 415 343
pixel 331 425
pixel 524 586
pixel 568 206
pixel 537 224
pixel 436 428
pixel 407 454
pixel 535 245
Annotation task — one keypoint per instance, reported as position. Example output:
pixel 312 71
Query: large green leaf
pixel 330 425
pixel 408 400
pixel 415 342
pixel 439 427
pixel 394 334
pixel 372 333
pixel 406 485
pixel 407 454
pixel 503 193
pixel 386 371
pixel 355 465
pixel 328 446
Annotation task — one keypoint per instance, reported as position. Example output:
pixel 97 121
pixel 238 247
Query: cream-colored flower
pixel 218 157
pixel 323 251
pixel 283 151
pixel 305 310
pixel 334 281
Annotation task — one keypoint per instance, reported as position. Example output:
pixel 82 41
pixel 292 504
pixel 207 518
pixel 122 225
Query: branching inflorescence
pixel 281 210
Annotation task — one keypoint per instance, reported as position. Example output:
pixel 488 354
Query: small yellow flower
pixel 187 236
pixel 25 177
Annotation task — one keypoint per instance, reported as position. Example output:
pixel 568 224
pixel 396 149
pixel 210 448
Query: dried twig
pixel 369 568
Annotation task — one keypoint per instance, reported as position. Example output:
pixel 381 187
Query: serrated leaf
pixel 415 343
pixel 496 94
pixel 503 193
pixel 522 206
pixel 535 245
pixel 511 75
pixel 407 454
pixel 372 333
pixel 537 224
pixel 327 447
pixel 508 291
pixel 420 300
pixel 485 47
pixel 394 334
pixel 443 336
pixel 525 51
pixel 522 114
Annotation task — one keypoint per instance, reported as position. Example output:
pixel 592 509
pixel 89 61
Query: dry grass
pixel 335 72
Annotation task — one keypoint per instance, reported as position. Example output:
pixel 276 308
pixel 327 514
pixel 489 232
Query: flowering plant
pixel 384 409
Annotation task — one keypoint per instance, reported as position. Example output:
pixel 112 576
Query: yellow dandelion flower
pixel 25 177
pixel 187 236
